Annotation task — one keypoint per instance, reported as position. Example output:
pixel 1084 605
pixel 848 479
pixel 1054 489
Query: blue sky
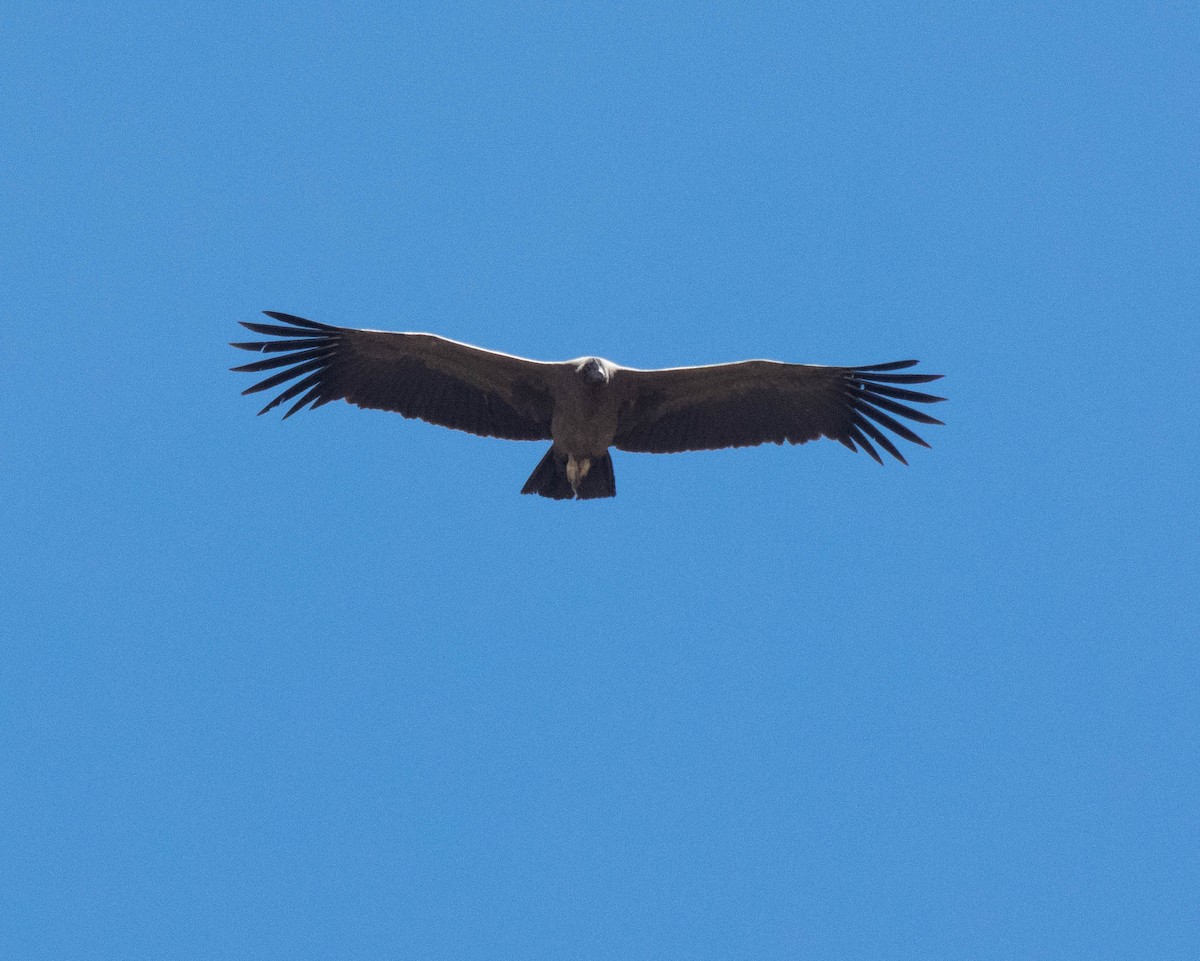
pixel 333 688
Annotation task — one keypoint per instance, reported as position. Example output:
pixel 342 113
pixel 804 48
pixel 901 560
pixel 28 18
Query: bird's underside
pixel 586 406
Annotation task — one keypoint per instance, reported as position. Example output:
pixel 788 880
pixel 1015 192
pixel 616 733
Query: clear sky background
pixel 331 688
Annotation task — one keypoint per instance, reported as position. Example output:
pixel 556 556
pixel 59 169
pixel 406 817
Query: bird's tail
pixel 549 478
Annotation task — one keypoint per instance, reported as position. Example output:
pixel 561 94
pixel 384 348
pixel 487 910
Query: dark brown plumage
pixel 588 405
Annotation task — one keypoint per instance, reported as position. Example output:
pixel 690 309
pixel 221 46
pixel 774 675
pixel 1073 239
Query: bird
pixel 588 405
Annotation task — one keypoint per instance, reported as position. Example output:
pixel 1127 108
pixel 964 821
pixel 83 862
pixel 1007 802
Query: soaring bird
pixel 587 405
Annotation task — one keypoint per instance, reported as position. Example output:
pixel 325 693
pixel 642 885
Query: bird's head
pixel 593 370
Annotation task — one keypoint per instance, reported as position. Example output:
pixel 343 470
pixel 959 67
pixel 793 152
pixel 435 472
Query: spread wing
pixel 756 401
pixel 417 375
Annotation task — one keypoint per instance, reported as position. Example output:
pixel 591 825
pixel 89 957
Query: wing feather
pixel 762 401
pixel 273 346
pixel 880 437
pixel 293 358
pixel 312 380
pixel 858 437
pixel 417 375
pixel 902 409
pixel 898 393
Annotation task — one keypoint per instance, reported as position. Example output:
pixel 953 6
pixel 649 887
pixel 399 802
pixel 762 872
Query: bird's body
pixel 589 405
pixel 585 407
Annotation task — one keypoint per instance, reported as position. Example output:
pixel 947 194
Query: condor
pixel 588 405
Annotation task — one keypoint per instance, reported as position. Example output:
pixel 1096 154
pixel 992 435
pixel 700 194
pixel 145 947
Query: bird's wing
pixel 417 375
pixel 756 401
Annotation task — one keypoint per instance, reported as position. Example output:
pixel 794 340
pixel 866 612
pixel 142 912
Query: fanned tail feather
pixel 549 479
